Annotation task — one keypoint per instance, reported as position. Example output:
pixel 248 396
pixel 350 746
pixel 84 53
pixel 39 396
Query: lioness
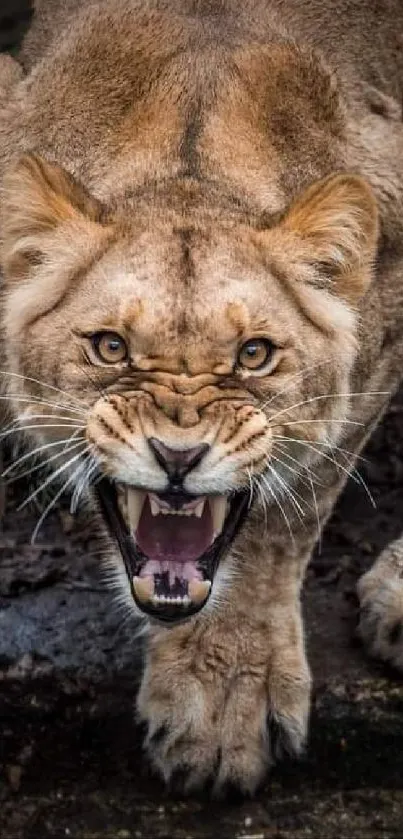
pixel 202 320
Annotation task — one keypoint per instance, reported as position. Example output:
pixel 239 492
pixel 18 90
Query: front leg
pixel 225 694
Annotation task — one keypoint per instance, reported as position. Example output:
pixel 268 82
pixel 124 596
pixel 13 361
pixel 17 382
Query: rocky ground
pixel 71 762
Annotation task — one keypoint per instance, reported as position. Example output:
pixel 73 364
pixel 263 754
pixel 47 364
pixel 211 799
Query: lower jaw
pixel 169 612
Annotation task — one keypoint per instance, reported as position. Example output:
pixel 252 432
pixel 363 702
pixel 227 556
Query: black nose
pixel 177 462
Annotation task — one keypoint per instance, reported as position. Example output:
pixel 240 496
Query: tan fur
pixel 192 175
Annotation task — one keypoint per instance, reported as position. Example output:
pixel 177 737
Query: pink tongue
pixel 174 538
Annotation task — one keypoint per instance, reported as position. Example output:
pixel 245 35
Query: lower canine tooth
pixel 198 590
pixel 144 588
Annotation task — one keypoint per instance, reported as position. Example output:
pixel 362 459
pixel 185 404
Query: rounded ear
pixel 37 198
pixel 337 220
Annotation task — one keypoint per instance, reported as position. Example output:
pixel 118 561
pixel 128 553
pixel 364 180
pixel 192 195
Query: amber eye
pixel 110 347
pixel 255 354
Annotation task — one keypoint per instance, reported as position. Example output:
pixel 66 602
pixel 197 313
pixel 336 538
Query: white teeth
pixel 155 508
pixel 218 505
pixel 198 511
pixel 162 599
pixel 144 588
pixel 198 590
pixel 161 509
pixel 135 500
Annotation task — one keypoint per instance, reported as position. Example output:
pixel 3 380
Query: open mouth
pixel 171 544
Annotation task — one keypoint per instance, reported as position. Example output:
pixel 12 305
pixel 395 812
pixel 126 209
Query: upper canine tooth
pixel 144 588
pixel 198 590
pixel 198 511
pixel 218 505
pixel 135 501
pixel 155 507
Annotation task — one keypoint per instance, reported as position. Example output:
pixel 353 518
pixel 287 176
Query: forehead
pixel 179 283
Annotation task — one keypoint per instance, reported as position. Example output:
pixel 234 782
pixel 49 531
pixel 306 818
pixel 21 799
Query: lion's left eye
pixel 255 354
pixel 110 347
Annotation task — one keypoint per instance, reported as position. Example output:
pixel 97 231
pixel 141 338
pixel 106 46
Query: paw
pixel 215 717
pixel 381 600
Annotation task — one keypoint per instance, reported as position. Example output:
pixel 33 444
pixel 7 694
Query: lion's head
pixel 177 356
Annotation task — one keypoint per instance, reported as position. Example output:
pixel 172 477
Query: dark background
pixel 14 20
pixel 70 756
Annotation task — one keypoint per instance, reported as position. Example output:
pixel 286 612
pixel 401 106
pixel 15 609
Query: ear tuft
pixel 337 220
pixel 37 198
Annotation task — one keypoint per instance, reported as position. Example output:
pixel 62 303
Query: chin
pixel 171 543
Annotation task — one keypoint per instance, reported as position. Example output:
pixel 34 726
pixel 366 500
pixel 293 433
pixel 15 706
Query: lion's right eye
pixel 109 347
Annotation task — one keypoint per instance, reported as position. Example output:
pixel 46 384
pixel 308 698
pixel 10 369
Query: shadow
pixel 15 16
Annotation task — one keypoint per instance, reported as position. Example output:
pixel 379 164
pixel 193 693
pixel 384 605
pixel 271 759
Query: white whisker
pixel 324 444
pixel 50 480
pixel 279 505
pixel 332 460
pixel 320 422
pixel 269 457
pixel 83 483
pixel 40 425
pixel 263 502
pixel 284 453
pixel 19 420
pixel 45 463
pixel 290 384
pixel 35 400
pixel 292 495
pixel 248 471
pixel 72 399
pixel 315 504
pixel 356 475
pixel 327 396
pixel 52 502
pixel 35 452
pixel 289 468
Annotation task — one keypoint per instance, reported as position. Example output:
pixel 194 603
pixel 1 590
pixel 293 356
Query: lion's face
pixel 188 361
